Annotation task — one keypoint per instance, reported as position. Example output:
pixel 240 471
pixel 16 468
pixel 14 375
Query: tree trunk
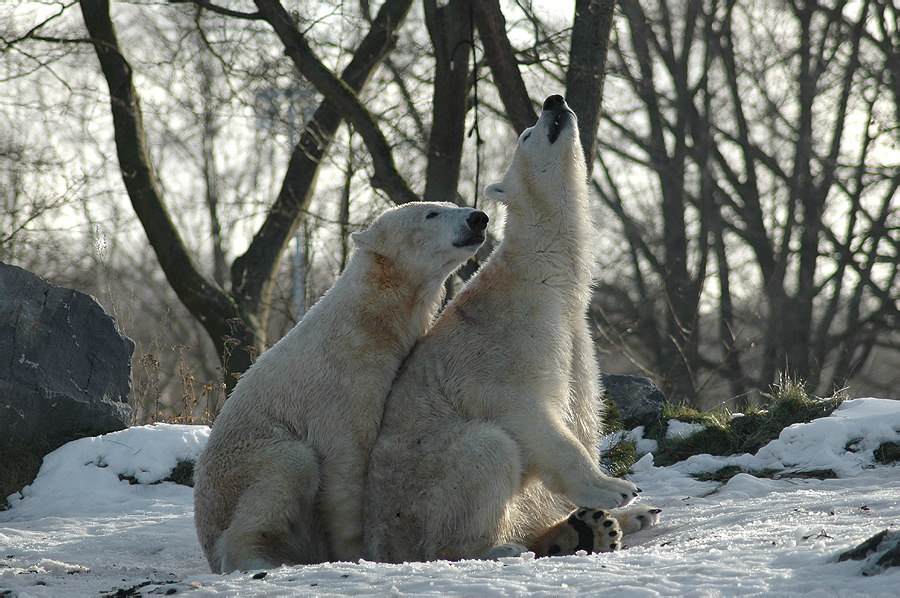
pixel 205 300
pixel 587 69
pixel 235 322
pixel 502 59
pixel 450 28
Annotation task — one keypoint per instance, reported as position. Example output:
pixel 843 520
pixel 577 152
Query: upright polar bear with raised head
pixel 281 478
pixel 490 431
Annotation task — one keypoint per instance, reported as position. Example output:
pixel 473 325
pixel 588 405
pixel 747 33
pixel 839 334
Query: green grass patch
pixel 183 474
pixel 888 452
pixel 724 435
pixel 611 421
pixel 729 471
pixel 621 455
pixel 818 474
pixel 720 475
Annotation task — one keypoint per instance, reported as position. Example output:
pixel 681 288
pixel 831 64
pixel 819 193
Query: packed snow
pixel 97 521
pixel 679 429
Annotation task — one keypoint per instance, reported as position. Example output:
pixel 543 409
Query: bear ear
pixel 360 239
pixel 496 191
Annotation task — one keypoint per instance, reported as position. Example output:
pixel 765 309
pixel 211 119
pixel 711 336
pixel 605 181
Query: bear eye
pixel 431 215
pixel 526 136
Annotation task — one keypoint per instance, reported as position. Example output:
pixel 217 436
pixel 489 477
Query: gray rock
pixel 878 553
pixel 65 370
pixel 635 396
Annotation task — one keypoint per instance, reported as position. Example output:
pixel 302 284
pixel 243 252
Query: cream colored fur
pixel 281 478
pixel 499 401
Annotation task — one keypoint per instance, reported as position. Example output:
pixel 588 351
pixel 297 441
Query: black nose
pixel 477 220
pixel 554 102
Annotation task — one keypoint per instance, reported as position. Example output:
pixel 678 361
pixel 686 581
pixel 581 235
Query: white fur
pixel 499 401
pixel 636 518
pixel 281 479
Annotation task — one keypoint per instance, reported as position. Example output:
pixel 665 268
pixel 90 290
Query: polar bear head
pixel 424 240
pixel 548 164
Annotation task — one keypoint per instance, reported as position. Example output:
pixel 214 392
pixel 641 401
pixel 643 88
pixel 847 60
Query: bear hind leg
pixel 471 470
pixel 274 522
pixel 474 499
pixel 635 518
pixel 593 530
pixel 588 530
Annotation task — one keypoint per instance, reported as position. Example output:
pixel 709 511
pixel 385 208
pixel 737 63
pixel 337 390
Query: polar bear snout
pixel 473 231
pixel 554 102
pixel 557 115
pixel 477 221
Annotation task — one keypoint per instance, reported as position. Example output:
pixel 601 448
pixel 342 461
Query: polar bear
pixel 490 431
pixel 280 480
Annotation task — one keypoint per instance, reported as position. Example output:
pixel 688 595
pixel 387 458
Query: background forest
pixel 198 167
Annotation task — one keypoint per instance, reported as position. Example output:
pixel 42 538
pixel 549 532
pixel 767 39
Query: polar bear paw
pixel 590 530
pixel 633 519
pixel 604 493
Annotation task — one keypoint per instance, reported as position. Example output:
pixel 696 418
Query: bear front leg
pixel 566 466
pixel 273 522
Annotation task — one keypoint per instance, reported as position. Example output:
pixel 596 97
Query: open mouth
pixel 563 117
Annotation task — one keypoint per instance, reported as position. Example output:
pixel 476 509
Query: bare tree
pixel 746 156
pixel 237 318
pixel 23 205
pixel 775 246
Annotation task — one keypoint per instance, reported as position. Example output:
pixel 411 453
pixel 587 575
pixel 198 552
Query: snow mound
pixel 843 443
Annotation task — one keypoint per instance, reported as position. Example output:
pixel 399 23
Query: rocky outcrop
pixel 878 553
pixel 65 370
pixel 638 401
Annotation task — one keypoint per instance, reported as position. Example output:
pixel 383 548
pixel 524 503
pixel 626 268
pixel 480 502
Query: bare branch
pixel 344 99
pixel 253 272
pixel 32 33
pixel 250 16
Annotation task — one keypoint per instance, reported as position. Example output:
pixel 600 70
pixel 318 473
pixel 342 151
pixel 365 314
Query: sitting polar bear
pixel 281 478
pixel 490 431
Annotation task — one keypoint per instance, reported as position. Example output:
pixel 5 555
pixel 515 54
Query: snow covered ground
pixel 81 530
